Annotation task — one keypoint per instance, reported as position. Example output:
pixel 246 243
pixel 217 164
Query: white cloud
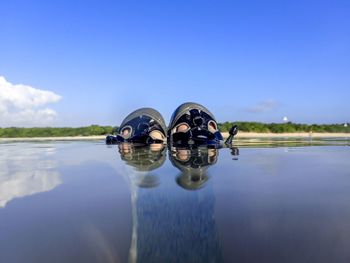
pixel 22 105
pixel 263 106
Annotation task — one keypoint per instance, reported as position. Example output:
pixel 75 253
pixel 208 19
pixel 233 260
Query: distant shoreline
pixel 61 138
pixel 246 130
pixel 240 135
pixel 289 135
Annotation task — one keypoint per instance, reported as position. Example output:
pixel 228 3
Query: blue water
pixel 88 202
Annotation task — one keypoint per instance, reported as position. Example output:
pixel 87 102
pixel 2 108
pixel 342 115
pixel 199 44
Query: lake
pixel 262 201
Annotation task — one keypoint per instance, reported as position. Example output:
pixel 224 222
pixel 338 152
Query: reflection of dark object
pixel 192 182
pixel 233 131
pixel 142 158
pixel 148 181
pixel 139 124
pixel 235 153
pixel 179 226
pixel 197 119
pixel 193 164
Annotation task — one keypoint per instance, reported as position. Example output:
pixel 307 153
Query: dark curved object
pixel 140 123
pixel 110 139
pixel 197 119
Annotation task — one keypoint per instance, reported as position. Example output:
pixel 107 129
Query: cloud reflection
pixel 26 171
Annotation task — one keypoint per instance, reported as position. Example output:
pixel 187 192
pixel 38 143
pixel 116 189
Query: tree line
pixel 288 127
pixel 14 132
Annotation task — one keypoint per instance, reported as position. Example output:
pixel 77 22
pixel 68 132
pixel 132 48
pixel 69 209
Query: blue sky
pixel 244 60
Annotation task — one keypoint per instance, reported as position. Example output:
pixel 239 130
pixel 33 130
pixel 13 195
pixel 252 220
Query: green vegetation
pixel 284 127
pixel 104 130
pixel 56 132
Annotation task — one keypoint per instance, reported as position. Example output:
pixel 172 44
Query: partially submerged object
pixel 143 126
pixel 193 125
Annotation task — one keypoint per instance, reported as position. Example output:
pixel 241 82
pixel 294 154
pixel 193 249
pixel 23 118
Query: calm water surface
pixel 86 202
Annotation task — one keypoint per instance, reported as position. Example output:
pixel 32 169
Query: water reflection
pixel 168 223
pixel 25 171
pixel 235 153
pixel 288 204
pixel 193 164
pixel 143 160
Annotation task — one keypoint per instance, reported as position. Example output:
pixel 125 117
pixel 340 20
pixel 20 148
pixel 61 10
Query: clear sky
pixel 92 62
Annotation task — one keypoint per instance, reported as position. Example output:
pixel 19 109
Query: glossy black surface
pixel 197 119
